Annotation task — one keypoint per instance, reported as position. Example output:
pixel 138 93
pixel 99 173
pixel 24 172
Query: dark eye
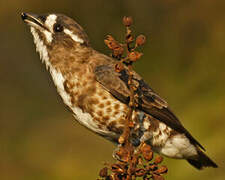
pixel 58 28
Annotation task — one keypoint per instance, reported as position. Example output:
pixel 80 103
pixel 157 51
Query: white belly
pixel 178 146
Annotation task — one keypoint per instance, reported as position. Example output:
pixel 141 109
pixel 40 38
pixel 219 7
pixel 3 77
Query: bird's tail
pixel 201 160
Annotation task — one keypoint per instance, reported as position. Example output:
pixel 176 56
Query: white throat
pixel 55 73
pixel 40 48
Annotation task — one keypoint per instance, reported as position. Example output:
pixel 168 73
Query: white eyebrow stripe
pixel 50 21
pixel 73 36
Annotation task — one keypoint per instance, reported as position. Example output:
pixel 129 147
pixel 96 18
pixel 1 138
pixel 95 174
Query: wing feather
pixel 148 101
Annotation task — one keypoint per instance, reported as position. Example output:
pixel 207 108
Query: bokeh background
pixel 184 61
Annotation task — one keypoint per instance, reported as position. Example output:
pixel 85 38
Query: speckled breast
pixel 95 108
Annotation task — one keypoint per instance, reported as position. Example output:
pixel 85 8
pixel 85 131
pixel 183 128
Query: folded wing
pixel 148 101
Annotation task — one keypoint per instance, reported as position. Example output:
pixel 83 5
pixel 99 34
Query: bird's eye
pixel 58 28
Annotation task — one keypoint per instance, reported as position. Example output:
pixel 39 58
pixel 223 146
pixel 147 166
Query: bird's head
pixel 55 32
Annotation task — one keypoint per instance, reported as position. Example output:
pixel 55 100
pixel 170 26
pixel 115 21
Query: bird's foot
pixel 115 154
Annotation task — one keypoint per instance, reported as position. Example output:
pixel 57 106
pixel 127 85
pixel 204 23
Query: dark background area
pixel 183 61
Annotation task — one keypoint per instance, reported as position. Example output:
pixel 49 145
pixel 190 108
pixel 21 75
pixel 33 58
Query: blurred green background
pixel 184 61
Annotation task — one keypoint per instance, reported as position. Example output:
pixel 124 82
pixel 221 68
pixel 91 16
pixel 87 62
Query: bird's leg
pixel 115 153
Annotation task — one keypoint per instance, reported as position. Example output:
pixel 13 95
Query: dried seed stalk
pixel 134 162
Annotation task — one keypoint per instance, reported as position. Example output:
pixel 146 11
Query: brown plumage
pixel 98 96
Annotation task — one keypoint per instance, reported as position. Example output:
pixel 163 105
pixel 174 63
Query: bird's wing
pixel 148 101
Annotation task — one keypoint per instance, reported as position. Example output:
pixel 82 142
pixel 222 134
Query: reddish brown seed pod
pixel 161 170
pixel 158 159
pixel 111 42
pixel 103 172
pixel 157 177
pixel 139 55
pixel 118 51
pixel 140 40
pixel 108 41
pixel 123 154
pixel 147 152
pixel 140 172
pixel 117 168
pixel 134 56
pixel 152 167
pixel 127 21
pixel 148 156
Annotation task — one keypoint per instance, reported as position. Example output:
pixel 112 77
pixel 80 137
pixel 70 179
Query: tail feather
pixel 201 161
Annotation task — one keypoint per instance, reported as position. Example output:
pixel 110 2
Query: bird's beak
pixel 32 20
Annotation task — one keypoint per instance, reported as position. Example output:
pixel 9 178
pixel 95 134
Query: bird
pixel 98 96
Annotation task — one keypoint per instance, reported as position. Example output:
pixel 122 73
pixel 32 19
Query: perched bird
pixel 98 96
